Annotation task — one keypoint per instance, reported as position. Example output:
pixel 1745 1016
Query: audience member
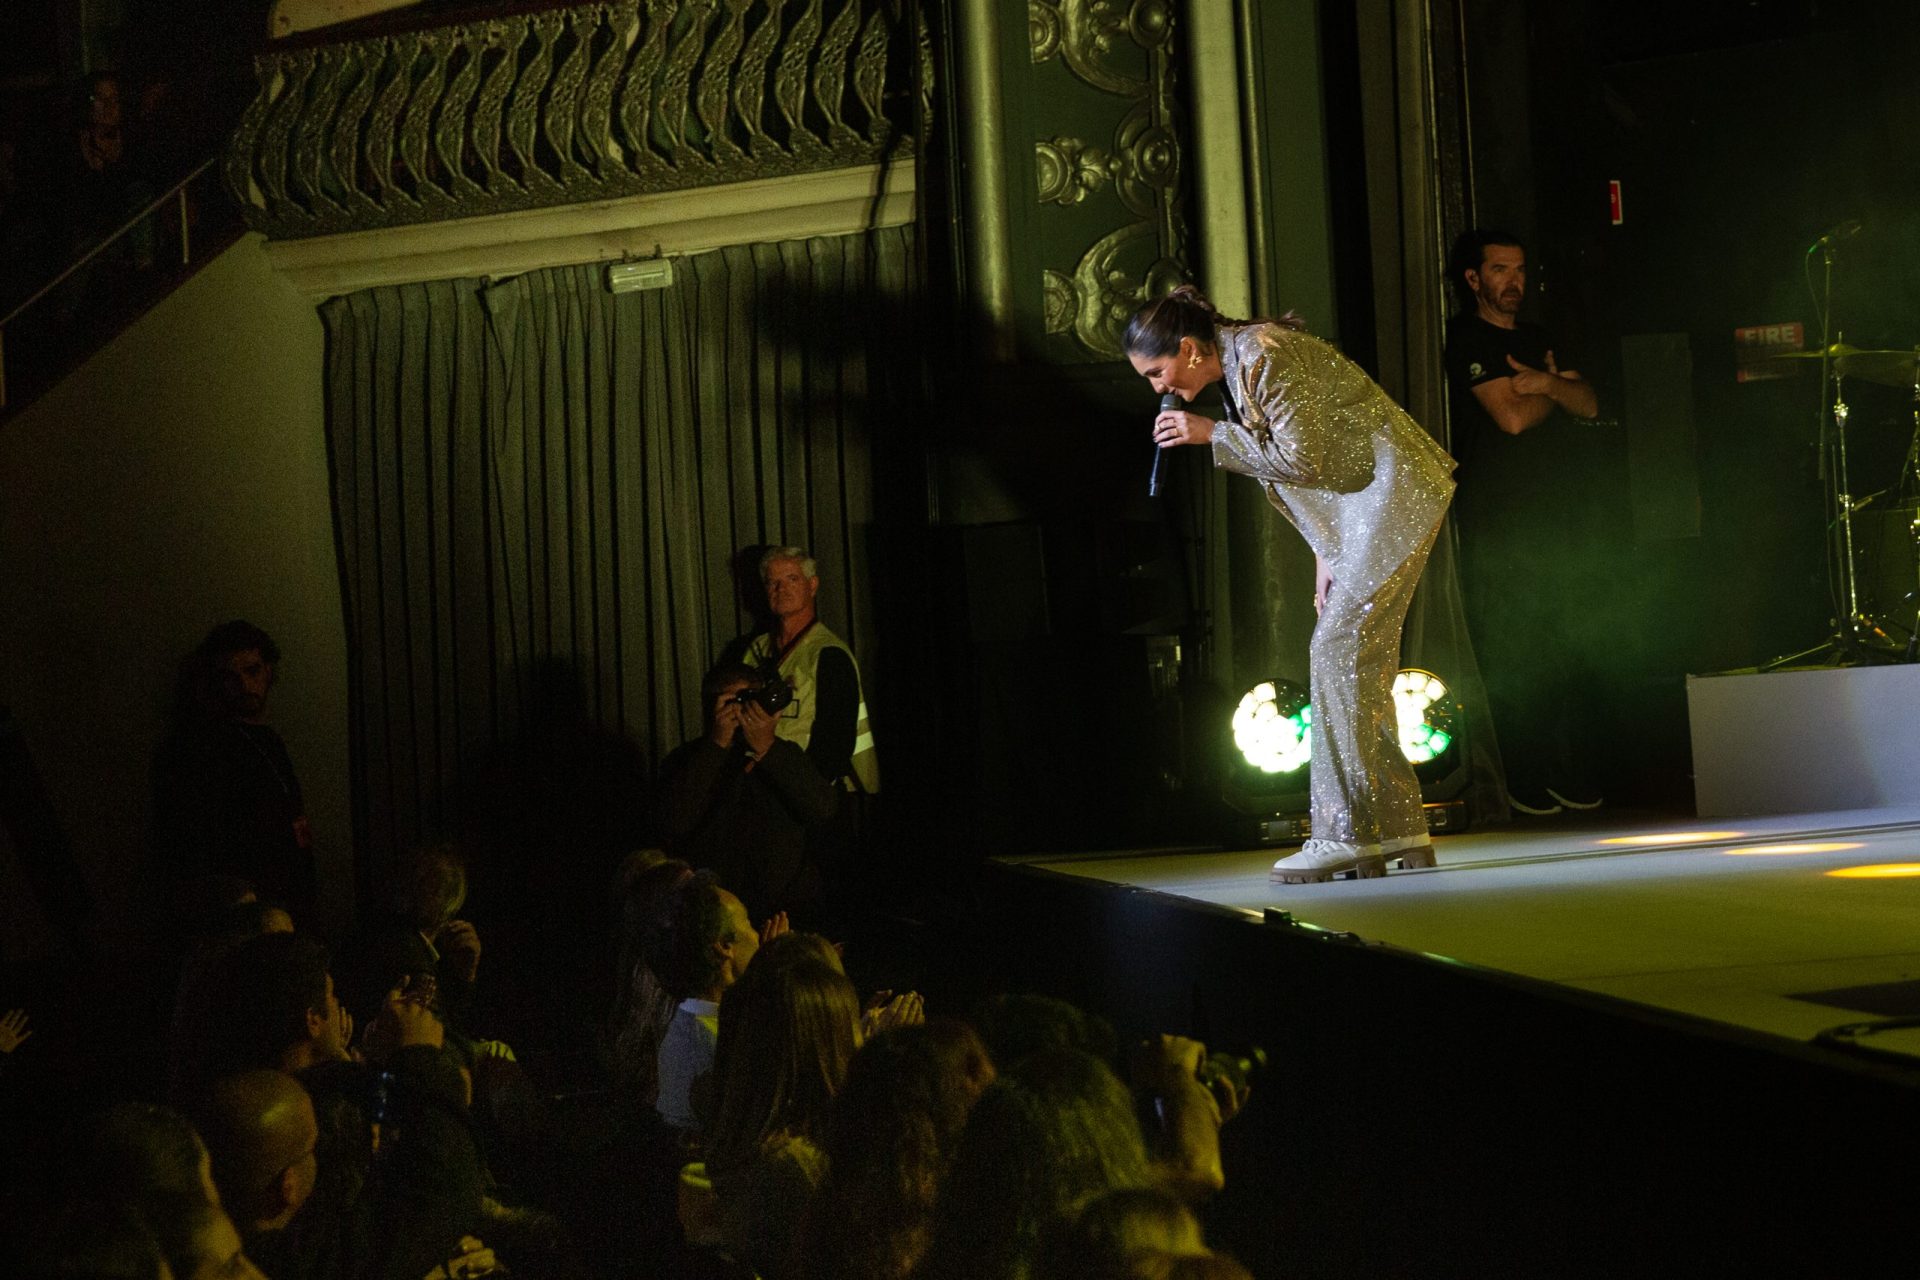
pixel 262 1135
pixel 788 1032
pixel 226 797
pixel 13 1030
pixel 1185 1145
pixel 1188 1266
pixel 200 1241
pixel 88 1238
pixel 1119 1229
pixel 1054 1132
pixel 418 935
pixel 274 1007
pixel 705 947
pixel 205 901
pixel 828 715
pixel 642 1007
pixel 740 800
pixel 134 1150
pixel 398 1180
pixel 891 1136
pixel 95 190
pixel 1016 1026
pixel 193 1027
pixel 149 1160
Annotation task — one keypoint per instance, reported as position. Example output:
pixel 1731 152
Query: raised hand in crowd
pixel 1165 1064
pixel 886 1011
pixel 773 926
pixel 473 1260
pixel 1187 1147
pixel 459 942
pixel 13 1030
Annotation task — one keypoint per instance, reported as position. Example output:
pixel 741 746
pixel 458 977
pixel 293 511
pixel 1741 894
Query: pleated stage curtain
pixel 541 490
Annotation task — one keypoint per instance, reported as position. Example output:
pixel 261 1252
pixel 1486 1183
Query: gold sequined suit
pixel 1367 487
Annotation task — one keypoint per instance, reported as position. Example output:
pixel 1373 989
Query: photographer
pixel 740 799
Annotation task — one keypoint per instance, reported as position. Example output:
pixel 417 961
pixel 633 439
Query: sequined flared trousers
pixel 1362 784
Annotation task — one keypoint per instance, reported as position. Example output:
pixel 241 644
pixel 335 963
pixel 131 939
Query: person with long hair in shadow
pixel 788 1032
pixel 1053 1133
pixel 891 1138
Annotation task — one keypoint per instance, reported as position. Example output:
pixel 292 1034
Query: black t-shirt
pixel 1477 352
pixel 1501 475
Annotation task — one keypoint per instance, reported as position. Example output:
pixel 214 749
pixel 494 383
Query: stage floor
pixel 1739 921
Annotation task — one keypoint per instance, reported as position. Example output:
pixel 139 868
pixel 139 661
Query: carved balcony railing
pixel 571 104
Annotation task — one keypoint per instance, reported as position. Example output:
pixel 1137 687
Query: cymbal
pixel 1893 367
pixel 1889 368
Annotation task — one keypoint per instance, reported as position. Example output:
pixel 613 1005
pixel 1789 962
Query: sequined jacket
pixel 1361 479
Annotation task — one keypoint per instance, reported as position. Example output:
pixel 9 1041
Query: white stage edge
pixel 1805 741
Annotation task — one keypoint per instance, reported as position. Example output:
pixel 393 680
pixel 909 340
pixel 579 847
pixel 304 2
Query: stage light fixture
pixel 1272 731
pixel 1427 713
pixel 1432 730
pixel 1265 786
pixel 1273 727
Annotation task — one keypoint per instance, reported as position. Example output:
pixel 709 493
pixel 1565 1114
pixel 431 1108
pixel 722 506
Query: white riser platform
pixel 1805 741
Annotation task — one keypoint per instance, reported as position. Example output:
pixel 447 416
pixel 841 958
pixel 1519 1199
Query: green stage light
pixel 1265 788
pixel 1427 713
pixel 1273 727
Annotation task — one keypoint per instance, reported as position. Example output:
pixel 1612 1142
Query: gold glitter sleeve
pixel 1276 441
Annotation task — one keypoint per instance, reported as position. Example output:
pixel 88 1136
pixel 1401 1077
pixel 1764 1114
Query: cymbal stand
pixel 1910 469
pixel 1855 639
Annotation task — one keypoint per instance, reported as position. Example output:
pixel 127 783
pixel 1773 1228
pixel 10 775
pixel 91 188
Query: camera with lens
pixel 771 694
pixel 1236 1071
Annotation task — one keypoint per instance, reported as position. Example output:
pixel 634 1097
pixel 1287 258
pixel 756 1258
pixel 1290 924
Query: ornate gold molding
pixel 1069 170
pixel 1123 50
pixel 1083 32
pixel 565 105
pixel 1101 294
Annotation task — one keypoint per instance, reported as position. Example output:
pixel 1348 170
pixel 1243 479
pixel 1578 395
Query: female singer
pixel 1367 488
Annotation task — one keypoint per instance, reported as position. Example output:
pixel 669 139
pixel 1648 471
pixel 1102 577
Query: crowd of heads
pixel 349 1106
pixel 835 1132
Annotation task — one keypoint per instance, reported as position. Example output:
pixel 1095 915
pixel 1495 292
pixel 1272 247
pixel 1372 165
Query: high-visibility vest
pixel 798 667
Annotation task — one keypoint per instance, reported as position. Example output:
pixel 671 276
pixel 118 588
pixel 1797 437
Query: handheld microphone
pixel 1167 401
pixel 1834 235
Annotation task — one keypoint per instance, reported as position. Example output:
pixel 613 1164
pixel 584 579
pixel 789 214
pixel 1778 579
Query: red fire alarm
pixel 1613 202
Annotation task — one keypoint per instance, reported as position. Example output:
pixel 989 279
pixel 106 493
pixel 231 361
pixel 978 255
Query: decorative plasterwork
pixel 1105 44
pixel 565 105
pixel 1068 169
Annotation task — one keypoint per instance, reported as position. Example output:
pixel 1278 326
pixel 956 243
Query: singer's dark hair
pixel 1470 254
pixel 1157 328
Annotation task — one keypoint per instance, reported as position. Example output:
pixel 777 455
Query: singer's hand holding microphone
pixel 1177 426
pixel 1173 426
